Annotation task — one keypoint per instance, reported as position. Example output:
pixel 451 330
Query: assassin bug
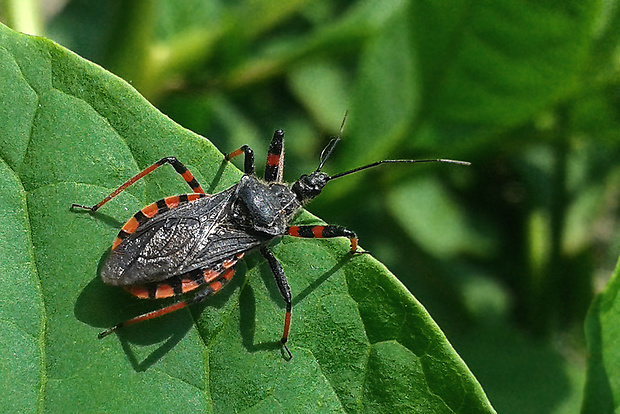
pixel 191 242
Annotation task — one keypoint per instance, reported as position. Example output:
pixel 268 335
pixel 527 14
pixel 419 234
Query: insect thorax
pixel 264 207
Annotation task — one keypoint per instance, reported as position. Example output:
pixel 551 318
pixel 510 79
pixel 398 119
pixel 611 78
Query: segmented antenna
pixel 329 148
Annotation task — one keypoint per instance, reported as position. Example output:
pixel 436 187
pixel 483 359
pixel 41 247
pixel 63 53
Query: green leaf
pixel 21 304
pixel 72 132
pixel 602 391
pixel 464 69
pixel 523 366
pixel 436 216
pixel 497 63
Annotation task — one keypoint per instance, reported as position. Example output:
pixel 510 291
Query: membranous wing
pixel 192 236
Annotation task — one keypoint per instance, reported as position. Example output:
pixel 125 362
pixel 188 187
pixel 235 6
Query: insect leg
pixel 144 317
pixel 178 167
pixel 275 158
pixel 285 291
pixel 248 164
pixel 319 232
pixel 209 290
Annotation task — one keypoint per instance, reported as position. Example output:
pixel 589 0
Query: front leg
pixel 320 232
pixel 248 162
pixel 275 158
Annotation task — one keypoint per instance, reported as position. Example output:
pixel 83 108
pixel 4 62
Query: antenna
pixel 329 148
pixel 374 164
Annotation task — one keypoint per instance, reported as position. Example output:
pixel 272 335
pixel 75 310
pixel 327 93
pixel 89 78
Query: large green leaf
pixel 71 132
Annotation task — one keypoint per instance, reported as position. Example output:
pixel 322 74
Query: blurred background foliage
pixel 506 255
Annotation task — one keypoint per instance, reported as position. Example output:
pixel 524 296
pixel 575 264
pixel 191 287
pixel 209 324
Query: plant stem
pixel 129 53
pixel 24 16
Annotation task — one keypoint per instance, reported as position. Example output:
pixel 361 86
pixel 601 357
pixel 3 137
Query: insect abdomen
pixel 180 284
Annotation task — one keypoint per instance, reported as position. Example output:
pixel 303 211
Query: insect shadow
pixel 100 305
pixel 104 218
pixel 217 178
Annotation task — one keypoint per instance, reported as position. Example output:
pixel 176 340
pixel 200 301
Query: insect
pixel 190 243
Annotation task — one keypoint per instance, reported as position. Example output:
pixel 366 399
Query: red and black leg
pixel 285 291
pixel 176 164
pixel 248 162
pixel 275 158
pixel 324 232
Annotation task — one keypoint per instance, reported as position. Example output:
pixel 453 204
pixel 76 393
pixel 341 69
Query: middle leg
pixel 285 291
